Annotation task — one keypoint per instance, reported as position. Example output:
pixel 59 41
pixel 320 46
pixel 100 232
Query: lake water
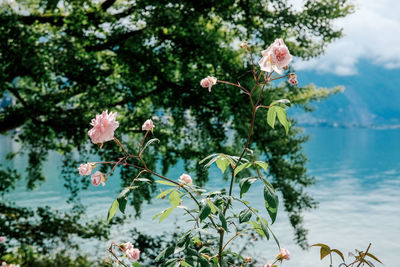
pixel 358 173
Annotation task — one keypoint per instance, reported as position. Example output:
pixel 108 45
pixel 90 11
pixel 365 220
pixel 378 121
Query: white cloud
pixel 372 32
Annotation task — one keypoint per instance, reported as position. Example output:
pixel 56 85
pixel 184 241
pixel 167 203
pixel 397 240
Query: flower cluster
pixel 131 252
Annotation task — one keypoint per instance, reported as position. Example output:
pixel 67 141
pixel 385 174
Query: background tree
pixel 64 61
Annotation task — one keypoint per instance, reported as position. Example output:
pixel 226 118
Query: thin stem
pixel 115 256
pixel 262 106
pixel 116 164
pixel 234 84
pixel 277 78
pixel 137 176
pixel 236 235
pixel 252 63
pixel 141 143
pixel 119 143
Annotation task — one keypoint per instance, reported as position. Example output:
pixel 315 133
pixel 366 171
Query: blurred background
pixel 63 62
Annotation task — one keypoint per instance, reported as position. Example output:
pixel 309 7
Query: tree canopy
pixel 64 61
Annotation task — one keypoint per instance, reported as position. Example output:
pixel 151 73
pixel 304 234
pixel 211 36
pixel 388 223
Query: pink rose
pixel 275 57
pixel 186 178
pixel 126 246
pixel 2 239
pixel 85 169
pixel 98 178
pixel 148 125
pixel 132 254
pixel 283 254
pixel 268 264
pixel 104 126
pixel 208 82
pixel 293 79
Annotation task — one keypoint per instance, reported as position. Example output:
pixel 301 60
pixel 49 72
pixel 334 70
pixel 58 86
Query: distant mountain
pixel 371 98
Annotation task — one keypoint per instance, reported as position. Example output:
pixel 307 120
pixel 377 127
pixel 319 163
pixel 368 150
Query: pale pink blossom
pixel 268 264
pixel 275 57
pixel 2 239
pixel 208 82
pixel 85 169
pixel 133 254
pixel 283 254
pixel 98 178
pixel 148 125
pixel 293 79
pixel 126 246
pixel 104 126
pixel 4 264
pixel 186 178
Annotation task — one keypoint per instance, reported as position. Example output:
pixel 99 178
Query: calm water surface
pixel 358 173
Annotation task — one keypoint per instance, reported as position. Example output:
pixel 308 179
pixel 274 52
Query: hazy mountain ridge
pixel 371 98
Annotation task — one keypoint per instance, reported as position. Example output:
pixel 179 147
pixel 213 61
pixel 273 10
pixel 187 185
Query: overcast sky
pixel 372 33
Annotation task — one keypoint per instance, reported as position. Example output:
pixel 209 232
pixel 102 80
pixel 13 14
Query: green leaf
pixel 222 164
pixel 271 201
pixel 165 213
pixel 136 264
pixel 245 184
pixel 372 256
pixel 263 223
pixel 241 167
pixel 113 209
pixel 325 251
pixel 244 216
pixel 262 164
pixel 282 117
pixel 271 116
pixel 165 183
pixel 185 264
pixel 124 192
pixel 164 193
pixel 165 253
pixel 122 203
pixel 174 198
pixel 257 228
pixel 223 220
pixel 339 253
pixel 143 180
pixel 205 211
pixel 149 143
pixel 212 206
pixel 209 156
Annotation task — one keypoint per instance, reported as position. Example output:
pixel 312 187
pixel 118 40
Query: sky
pixel 371 33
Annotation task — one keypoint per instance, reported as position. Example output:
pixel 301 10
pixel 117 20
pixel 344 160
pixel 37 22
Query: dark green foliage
pixel 64 65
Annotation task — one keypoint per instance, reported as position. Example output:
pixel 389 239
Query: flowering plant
pixel 211 212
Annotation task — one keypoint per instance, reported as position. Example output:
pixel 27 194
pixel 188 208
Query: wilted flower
pixel 283 254
pixel 247 259
pixel 293 79
pixel 98 178
pixel 104 126
pixel 186 178
pixel 275 57
pixel 208 82
pixel 148 125
pixel 243 44
pixel 85 169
